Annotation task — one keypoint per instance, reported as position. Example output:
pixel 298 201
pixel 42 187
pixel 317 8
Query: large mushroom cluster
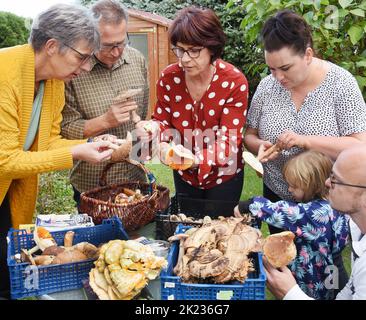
pixel 123 269
pixel 219 251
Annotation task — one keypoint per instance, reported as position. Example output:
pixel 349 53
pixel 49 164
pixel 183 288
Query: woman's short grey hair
pixel 66 23
pixel 109 12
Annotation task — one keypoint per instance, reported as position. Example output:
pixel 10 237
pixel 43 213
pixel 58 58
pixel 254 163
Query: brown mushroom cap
pixel 69 256
pixel 53 251
pixel 280 249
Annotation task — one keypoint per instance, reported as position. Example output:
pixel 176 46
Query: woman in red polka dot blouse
pixel 202 104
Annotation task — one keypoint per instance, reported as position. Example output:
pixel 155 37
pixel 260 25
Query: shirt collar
pixel 125 59
pixel 358 239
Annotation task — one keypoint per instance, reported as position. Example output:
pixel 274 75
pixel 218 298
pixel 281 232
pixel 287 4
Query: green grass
pixel 252 183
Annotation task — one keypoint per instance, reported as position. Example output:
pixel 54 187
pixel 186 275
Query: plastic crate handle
pixel 116 221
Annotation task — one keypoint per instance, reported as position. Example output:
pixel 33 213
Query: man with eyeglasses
pixel 89 109
pixel 347 193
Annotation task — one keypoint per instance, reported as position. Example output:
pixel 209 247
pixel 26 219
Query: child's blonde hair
pixel 308 171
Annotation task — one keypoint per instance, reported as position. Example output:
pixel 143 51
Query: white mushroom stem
pixel 178 269
pixel 33 250
pixel 69 238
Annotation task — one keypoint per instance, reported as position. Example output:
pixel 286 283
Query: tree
pixel 13 30
pixel 237 51
pixel 338 26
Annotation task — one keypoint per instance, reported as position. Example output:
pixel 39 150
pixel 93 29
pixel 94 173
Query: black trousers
pixel 76 197
pixel 337 258
pixel 227 191
pixel 217 201
pixel 5 225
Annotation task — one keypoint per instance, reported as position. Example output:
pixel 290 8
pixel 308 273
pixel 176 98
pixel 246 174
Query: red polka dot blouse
pixel 211 128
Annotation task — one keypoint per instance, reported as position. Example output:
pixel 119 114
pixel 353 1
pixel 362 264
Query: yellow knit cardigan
pixel 19 169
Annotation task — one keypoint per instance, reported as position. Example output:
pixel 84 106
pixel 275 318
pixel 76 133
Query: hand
pixel 162 152
pixel 146 130
pixel 263 147
pixel 119 112
pixel 180 156
pixel 109 137
pixel 289 139
pixel 279 281
pixel 237 212
pixel 94 152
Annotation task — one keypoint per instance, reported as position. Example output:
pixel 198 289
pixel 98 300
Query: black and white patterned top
pixel 335 108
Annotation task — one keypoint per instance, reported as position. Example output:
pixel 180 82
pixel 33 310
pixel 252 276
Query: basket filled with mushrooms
pixel 45 262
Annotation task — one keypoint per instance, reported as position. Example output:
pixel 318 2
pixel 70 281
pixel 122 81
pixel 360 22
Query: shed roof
pixel 150 17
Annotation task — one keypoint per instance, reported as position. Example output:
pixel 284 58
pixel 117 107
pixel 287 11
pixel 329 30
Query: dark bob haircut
pixel 287 29
pixel 199 27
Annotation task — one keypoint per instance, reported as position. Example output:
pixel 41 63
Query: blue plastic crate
pixel 254 288
pixel 28 281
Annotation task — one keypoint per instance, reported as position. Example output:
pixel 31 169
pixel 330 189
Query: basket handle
pixel 103 176
pixel 150 177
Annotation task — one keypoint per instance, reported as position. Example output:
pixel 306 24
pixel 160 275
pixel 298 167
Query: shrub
pixel 13 30
pixel 55 193
pixel 339 29
pixel 244 56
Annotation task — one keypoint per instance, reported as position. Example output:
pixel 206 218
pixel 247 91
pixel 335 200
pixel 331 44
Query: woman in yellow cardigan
pixel 32 76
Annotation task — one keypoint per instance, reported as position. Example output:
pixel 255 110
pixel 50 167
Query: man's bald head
pixel 350 165
pixel 350 169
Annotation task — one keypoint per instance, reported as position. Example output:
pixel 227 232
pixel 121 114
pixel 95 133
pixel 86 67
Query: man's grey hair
pixel 109 12
pixel 66 23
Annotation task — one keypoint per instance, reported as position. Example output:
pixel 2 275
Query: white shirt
pixel 355 289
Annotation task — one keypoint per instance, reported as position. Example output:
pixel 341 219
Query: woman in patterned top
pixel 305 104
pixel 321 232
pixel 202 102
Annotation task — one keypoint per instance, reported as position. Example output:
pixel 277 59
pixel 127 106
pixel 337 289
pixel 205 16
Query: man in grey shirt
pixel 347 193
pixel 90 110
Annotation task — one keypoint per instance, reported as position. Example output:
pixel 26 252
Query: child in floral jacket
pixel 321 232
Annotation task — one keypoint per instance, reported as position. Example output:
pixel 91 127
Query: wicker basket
pixel 99 203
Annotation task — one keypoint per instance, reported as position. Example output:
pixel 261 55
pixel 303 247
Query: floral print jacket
pixel 320 233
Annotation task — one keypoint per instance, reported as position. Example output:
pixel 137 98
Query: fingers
pixel 125 104
pixel 119 141
pixel 237 213
pixel 113 146
pixel 104 151
pixel 267 265
pixel 272 156
pixel 267 152
pixel 147 130
pixel 286 140
pixel 104 145
pixel 104 155
pixel 285 270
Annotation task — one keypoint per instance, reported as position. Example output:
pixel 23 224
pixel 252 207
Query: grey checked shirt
pixel 90 95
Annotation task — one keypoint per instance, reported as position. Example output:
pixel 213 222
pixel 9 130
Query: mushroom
pixel 62 254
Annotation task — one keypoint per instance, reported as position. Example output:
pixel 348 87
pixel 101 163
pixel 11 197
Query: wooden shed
pixel 149 34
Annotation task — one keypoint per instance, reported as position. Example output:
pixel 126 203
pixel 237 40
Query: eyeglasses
pixel 83 57
pixel 118 45
pixel 192 52
pixel 333 182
